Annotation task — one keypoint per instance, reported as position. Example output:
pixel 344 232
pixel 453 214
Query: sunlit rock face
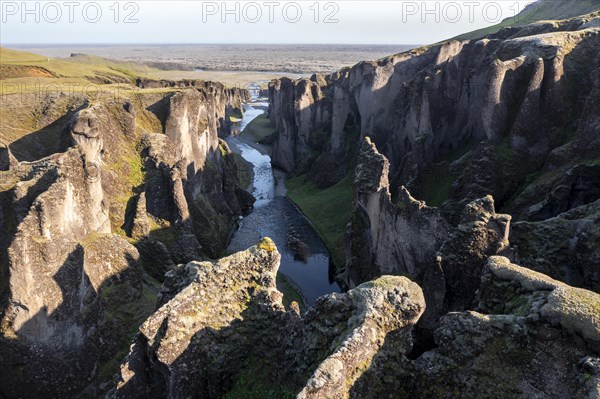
pixel 527 336
pixel 406 237
pixel 387 237
pixel 491 111
pixel 72 292
pixel 222 321
pixel 66 270
pixel 221 330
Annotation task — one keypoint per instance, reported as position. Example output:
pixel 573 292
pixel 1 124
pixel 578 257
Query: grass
pixel 244 171
pixel 255 381
pixel 435 184
pixel 259 128
pixel 130 317
pixel 328 210
pixel 435 181
pixel 542 11
pixel 87 67
pixel 289 293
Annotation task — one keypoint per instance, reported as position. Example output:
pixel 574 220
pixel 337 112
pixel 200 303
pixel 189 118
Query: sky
pixel 192 21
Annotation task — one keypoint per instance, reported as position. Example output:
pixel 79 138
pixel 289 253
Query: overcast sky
pixel 156 21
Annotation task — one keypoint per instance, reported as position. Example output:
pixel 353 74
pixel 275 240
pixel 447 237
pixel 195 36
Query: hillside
pixel 541 10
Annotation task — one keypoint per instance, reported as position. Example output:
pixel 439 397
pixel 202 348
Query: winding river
pixel 275 217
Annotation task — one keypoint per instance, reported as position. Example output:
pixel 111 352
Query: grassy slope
pixel 543 10
pixel 289 293
pixel 244 171
pixel 328 210
pixel 258 129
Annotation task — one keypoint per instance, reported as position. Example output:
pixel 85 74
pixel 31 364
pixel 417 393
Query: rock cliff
pixel 507 115
pixel 513 115
pixel 130 192
pixel 222 331
pixel 528 336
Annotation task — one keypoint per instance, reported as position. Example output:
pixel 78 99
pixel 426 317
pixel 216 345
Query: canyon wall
pixel 470 118
pixel 513 115
pixel 221 330
pixel 128 194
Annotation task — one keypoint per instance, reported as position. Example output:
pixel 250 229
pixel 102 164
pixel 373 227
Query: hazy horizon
pixel 247 22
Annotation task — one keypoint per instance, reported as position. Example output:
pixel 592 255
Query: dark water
pixel 275 217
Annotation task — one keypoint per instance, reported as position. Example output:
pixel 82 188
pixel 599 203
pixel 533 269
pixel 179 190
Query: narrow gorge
pixel 426 225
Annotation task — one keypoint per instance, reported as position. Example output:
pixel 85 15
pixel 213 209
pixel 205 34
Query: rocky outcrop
pixel 7 159
pixel 72 289
pixel 386 237
pixel 203 339
pixel 564 247
pixel 504 105
pixel 381 311
pixel 66 273
pixel 529 336
pixel 206 168
pixel 481 233
pixel 406 237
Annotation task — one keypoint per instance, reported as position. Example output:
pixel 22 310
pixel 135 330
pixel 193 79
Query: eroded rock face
pixel 564 247
pixel 69 323
pixel 500 104
pixel 407 237
pixel 206 332
pixel 376 310
pixel 530 336
pixel 206 168
pixel 385 237
pixel 481 233
pixel 71 290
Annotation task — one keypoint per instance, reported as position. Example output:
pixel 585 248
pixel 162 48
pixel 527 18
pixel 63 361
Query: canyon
pixel 470 256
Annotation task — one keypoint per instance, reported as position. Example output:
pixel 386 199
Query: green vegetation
pixel 129 316
pixel 255 381
pixel 163 233
pixel 541 11
pixel 223 150
pixel 289 293
pixel 259 128
pixel 245 171
pixel 136 172
pixel 519 305
pixel 267 244
pixel 435 181
pixel 92 68
pixel 328 210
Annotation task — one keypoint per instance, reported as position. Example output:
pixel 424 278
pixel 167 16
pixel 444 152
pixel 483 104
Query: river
pixel 275 217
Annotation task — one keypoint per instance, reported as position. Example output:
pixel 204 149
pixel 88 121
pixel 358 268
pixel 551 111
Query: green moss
pixel 255 381
pixel 519 305
pixel 258 129
pixel 223 150
pixel 244 171
pixel 435 181
pixel 162 233
pixel 289 293
pixel 127 316
pixel 267 244
pixel 328 210
pixel 136 173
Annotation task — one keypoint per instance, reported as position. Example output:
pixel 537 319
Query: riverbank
pixel 303 277
pixel 327 210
